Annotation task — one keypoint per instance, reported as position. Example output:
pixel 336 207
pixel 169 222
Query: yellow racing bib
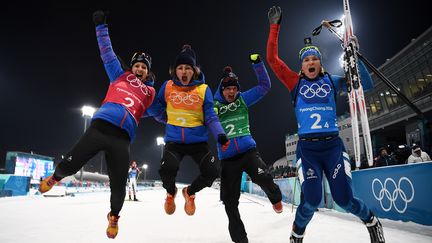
pixel 185 104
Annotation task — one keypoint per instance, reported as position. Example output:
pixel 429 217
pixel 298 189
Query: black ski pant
pixel 232 169
pixel 202 156
pixel 114 141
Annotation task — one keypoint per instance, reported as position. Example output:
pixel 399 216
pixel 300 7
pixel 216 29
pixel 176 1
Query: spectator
pixel 384 159
pixel 364 163
pixel 417 155
pixel 291 172
pixel 401 154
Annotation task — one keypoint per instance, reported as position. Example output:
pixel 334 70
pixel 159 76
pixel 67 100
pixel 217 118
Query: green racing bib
pixel 234 117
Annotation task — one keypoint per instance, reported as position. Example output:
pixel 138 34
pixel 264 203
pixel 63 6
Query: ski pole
pixel 293 197
pixel 329 25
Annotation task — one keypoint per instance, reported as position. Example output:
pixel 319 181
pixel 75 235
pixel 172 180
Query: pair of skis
pixel 354 87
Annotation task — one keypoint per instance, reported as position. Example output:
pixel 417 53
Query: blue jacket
pixel 114 113
pixel 183 134
pixel 241 144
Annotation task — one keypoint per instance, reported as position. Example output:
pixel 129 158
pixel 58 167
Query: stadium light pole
pixel 145 167
pixel 160 142
pixel 87 113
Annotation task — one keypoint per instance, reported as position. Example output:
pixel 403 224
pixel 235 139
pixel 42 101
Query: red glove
pixel 223 141
pixel 225 146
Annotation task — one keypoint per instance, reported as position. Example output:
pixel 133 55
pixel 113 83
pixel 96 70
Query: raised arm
pixel 365 76
pixel 288 77
pixel 109 58
pixel 365 79
pixel 254 94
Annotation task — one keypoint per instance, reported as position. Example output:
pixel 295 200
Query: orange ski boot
pixel 170 206
pixel 278 207
pixel 47 183
pixel 112 228
pixel 189 206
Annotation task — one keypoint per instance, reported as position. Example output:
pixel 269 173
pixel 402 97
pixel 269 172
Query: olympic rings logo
pixel 315 90
pixel 392 197
pixel 230 107
pixel 183 97
pixel 136 83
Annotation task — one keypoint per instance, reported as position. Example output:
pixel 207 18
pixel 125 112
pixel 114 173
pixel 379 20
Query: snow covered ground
pixel 83 219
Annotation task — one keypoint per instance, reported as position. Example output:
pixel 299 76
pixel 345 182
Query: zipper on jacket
pixel 183 137
pixel 236 145
pixel 124 118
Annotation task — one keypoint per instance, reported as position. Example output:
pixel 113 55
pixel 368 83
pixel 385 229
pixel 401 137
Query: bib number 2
pixel 316 124
pixel 232 130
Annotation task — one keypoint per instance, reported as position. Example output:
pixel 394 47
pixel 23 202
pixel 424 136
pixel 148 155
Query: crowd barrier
pixel 12 185
pixel 400 192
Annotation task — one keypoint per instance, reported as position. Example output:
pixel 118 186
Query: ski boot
pixel 47 183
pixel 189 206
pixel 296 235
pixel 112 228
pixel 278 207
pixel 170 206
pixel 130 198
pixel 295 238
pixel 375 230
pixel 135 199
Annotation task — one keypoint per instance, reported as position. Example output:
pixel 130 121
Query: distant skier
pixel 114 125
pixel 232 107
pixel 319 150
pixel 134 171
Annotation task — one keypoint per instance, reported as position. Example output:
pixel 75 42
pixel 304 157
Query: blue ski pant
pixel 329 157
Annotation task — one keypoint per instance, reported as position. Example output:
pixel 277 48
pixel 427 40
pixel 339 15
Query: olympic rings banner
pixel 401 192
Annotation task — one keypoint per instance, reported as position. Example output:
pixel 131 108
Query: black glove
pixel 222 139
pixel 275 15
pixel 254 58
pixel 99 17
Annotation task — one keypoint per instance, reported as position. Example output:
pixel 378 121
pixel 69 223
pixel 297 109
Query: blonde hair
pixel 197 72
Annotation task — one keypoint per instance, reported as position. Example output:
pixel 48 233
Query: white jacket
pixel 414 158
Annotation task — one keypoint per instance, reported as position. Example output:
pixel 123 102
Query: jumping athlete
pixel 319 150
pixel 186 103
pixel 114 125
pixel 232 107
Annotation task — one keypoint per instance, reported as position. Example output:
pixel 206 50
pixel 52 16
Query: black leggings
pixel 114 141
pixel 232 170
pixel 200 153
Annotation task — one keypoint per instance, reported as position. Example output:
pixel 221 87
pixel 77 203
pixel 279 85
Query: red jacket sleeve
pixel 288 77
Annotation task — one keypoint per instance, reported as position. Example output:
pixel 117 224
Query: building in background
pixel 391 121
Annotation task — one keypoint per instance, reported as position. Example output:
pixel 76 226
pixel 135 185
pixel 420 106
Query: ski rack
pixel 337 23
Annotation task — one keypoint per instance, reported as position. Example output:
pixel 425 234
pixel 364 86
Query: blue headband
pixel 308 51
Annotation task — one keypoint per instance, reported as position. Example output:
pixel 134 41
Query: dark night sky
pixel 50 65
